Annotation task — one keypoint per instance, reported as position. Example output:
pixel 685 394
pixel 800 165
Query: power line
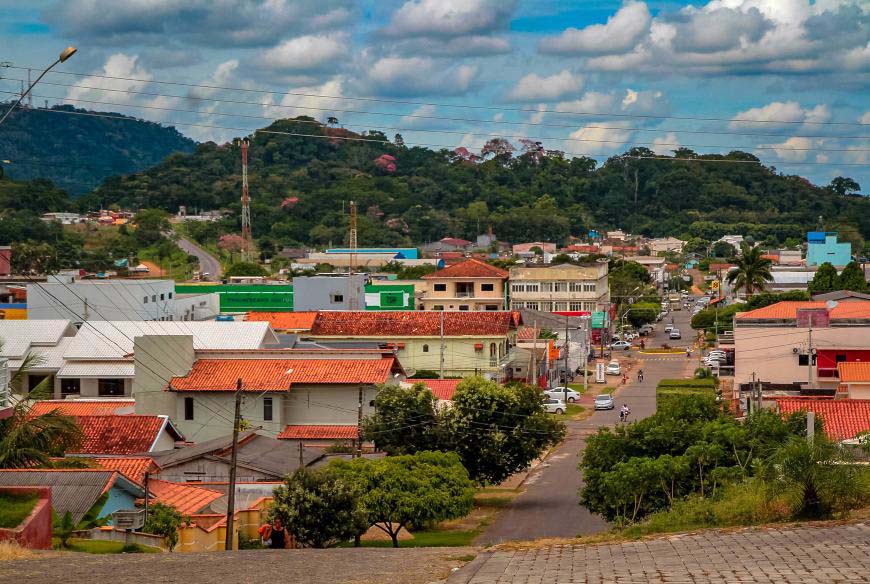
pixel 433 104
pixel 477 134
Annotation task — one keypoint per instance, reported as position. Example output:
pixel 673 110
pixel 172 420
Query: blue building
pixel 402 253
pixel 822 246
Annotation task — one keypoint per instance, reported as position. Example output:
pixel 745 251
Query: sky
pixel 786 80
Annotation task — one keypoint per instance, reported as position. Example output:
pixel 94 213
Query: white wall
pixel 157 359
pixel 95 300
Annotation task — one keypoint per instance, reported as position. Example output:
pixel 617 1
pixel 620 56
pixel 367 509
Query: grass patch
pixel 578 387
pixel 431 538
pixel 9 550
pixel 573 410
pixel 96 546
pixel 15 507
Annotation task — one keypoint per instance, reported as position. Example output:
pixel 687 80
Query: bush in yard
pixel 245 269
pixel 321 508
pixel 410 490
pixel 411 411
pixel 164 520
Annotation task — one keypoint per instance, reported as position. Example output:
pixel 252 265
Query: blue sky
pixel 788 80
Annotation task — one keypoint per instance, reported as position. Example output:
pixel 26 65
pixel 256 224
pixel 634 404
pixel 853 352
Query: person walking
pixel 275 535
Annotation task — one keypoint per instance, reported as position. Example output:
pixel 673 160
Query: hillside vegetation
pixel 77 152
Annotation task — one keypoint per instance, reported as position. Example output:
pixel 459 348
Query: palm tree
pixel 27 440
pixel 753 270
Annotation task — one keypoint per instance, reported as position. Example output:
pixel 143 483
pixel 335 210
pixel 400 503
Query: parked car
pixel 669 328
pixel 554 406
pixel 558 393
pixel 604 402
pixel 624 345
pixel 675 334
pixel 613 368
pixel 647 329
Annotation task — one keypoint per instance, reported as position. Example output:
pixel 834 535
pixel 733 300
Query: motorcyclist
pixel 623 412
pixel 640 375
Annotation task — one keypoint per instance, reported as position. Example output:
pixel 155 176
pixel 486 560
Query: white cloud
pixel 794 149
pixel 787 112
pixel 426 110
pixel 865 119
pixel 450 18
pixel 621 32
pixel 591 102
pixel 117 65
pixel 532 87
pixel 305 53
pixel 538 116
pixel 664 145
pixel 418 76
pixel 595 140
pixel 309 104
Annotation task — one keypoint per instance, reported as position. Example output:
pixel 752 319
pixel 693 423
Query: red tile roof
pixel 129 434
pixel 788 310
pixel 851 371
pixel 132 467
pixel 281 374
pixel 455 241
pixel 451 255
pixel 283 321
pixel 441 388
pixel 580 248
pixel 526 333
pixel 75 407
pixel 187 499
pixel 843 419
pixel 468 269
pixel 413 323
pixel 322 432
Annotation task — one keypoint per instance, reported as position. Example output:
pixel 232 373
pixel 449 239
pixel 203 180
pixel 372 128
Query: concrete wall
pixel 196 307
pixel 859 391
pixel 101 300
pixel 478 300
pixel 335 404
pixel 213 413
pixel 35 531
pixel 90 387
pixel 320 292
pixel 110 534
pixel 837 253
pixel 157 359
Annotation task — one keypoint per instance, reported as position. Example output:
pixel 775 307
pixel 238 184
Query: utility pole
pixel 301 449
pixel 810 354
pixel 441 366
pixel 231 496
pixel 566 361
pixel 534 371
pixel 147 474
pixel 359 423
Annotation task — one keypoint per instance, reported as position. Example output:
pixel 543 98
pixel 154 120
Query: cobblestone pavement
pixel 838 553
pixel 357 566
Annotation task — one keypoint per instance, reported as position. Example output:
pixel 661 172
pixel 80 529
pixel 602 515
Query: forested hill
pixel 78 151
pixel 411 195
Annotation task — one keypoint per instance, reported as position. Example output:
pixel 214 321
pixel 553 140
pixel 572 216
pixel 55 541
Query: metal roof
pixel 112 340
pixel 18 336
pixel 51 358
pixel 97 369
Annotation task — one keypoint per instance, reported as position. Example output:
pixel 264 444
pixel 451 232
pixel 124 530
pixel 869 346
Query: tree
pixel 231 243
pixel 405 420
pixel 245 269
pixel 164 520
pixel 321 508
pixel 852 278
pixel 753 270
pixel 332 121
pixel 497 430
pixel 398 492
pixel 824 280
pixel 499 149
pixel 34 258
pixel 642 313
pixel 723 249
pixel 64 529
pixel 150 226
pixel 844 186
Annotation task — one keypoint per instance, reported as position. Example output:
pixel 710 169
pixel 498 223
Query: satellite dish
pixel 831 304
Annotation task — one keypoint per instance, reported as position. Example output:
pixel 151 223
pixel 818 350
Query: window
pixel 463 307
pixel 188 408
pixel 517 305
pixel 560 306
pixel 589 287
pixel 267 409
pixel 803 360
pixel 336 298
pixel 487 287
pixel 145 300
pixel 575 287
pixel 34 380
pixel 70 385
pixel 170 295
pixel 163 297
pixel 534 287
pixel 493 355
pixel 491 307
pixel 154 298
pixel 440 288
pixel 437 307
pixel 518 287
pixel 575 306
pixel 546 287
pixel 110 387
pixel 560 286
pixel 532 305
pixel 425 348
pixel 589 306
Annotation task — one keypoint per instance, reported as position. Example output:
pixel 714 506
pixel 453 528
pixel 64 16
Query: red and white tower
pixel 246 202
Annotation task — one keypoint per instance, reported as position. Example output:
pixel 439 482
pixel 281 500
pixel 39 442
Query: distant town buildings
pixel 823 247
pixel 560 288
pixel 469 285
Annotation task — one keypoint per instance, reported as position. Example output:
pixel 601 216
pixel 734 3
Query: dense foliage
pixel 164 520
pixel 753 270
pixel 78 151
pixel 405 420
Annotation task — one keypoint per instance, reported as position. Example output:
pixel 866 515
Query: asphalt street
pixel 207 262
pixel 550 507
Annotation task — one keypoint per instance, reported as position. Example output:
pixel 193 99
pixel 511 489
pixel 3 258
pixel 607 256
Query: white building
pixel 666 244
pixel 63 297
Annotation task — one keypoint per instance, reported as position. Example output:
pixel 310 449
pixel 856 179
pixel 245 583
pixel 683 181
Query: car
pixel 669 328
pixel 554 406
pixel 675 334
pixel 558 393
pixel 604 402
pixel 613 368
pixel 206 274
pixel 647 329
pixel 717 352
pixel 624 345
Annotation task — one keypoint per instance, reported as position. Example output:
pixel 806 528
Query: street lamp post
pixel 64 55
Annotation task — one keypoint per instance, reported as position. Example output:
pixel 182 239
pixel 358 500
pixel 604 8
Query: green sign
pixel 279 297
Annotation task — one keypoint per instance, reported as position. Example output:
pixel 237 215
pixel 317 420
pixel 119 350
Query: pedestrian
pixel 275 535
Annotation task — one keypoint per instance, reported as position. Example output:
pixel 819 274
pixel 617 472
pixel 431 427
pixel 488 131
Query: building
pixel 776 343
pixel 732 240
pixel 62 218
pixel 401 253
pixel 362 260
pixel 125 434
pixel 843 420
pixel 665 244
pixel 822 246
pixel 787 278
pixel 841 296
pixel 469 285
pixel 47 340
pixel 63 297
pixel 854 379
pixel 5 260
pixel 560 288
pixel 655 265
pixel 338 292
pixel 527 248
pixel 84 407
pixel 436 248
pixel 281 387
pixel 459 343
pixel 618 235
pixel 789 257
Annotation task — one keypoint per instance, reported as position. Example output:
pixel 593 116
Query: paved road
pixel 550 507
pixel 207 262
pixel 838 553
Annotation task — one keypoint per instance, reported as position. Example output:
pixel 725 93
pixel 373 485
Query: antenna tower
pixel 352 243
pixel 246 203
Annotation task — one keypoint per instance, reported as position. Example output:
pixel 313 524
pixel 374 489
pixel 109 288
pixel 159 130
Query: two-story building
pixel 469 285
pixel 823 247
pixel 560 287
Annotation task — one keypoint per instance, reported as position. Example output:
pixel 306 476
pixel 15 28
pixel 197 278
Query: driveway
pixel 207 262
pixel 550 505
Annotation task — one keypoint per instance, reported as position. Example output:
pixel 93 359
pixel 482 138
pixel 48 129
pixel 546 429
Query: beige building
pixel 666 244
pixel 469 285
pixel 560 288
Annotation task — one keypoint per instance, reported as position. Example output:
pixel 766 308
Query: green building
pixel 279 297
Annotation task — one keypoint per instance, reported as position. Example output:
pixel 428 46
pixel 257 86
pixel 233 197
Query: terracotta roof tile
pixel 280 374
pixel 854 371
pixel 455 241
pixel 412 323
pixel 132 467
pixel 526 333
pixel 441 388
pixel 283 321
pixel 76 407
pixel 129 434
pixel 468 269
pixel 788 310
pixel 322 432
pixel 843 419
pixel 187 499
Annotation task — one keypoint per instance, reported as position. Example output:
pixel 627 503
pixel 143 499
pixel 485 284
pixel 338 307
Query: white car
pixel 604 402
pixel 558 393
pixel 675 334
pixel 613 368
pixel 624 345
pixel 554 406
pixel 669 328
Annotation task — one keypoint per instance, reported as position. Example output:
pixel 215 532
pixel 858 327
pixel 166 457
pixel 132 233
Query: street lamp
pixel 64 55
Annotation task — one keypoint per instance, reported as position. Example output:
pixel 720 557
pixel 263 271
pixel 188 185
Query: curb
pixel 465 574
